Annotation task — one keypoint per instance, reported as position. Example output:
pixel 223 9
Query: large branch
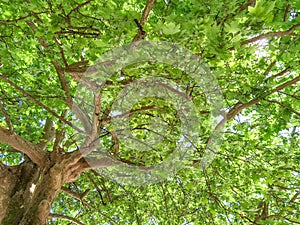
pixel 90 129
pixel 69 101
pixel 48 135
pixel 63 81
pixel 60 72
pixel 146 11
pixel 17 142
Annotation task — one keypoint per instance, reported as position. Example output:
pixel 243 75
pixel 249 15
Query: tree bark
pixel 27 191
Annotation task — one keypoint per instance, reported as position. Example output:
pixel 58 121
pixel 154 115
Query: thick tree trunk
pixel 7 184
pixel 26 193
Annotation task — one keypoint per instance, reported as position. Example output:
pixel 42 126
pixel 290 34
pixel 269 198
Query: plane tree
pixel 49 133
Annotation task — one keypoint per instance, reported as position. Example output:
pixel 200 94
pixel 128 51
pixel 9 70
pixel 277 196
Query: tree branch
pixel 62 53
pixel 273 34
pixel 69 101
pixel 116 142
pixel 63 81
pixel 96 115
pixel 96 187
pixel 59 136
pixel 267 71
pixel 73 32
pixel 68 218
pixel 146 11
pixel 133 111
pixel 21 18
pixel 36 155
pixel 89 163
pixel 80 198
pixel 287 12
pixel 294 197
pixel 241 8
pixel 78 7
pixel 281 73
pixel 238 108
pixel 60 72
pixel 48 135
pixel 39 103
pixel 283 218
pixel 283 105
pixel 141 34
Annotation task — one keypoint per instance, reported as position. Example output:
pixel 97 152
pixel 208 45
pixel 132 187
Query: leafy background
pixel 252 47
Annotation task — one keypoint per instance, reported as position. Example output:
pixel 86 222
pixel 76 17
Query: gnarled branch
pixel 32 151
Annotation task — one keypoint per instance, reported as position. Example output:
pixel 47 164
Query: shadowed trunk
pixel 27 193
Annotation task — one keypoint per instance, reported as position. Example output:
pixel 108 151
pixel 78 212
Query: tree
pixel 48 174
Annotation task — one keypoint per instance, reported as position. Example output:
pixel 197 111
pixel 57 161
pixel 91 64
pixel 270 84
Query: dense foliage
pixel 251 47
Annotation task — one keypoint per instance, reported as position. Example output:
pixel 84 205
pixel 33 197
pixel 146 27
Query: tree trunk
pixel 26 193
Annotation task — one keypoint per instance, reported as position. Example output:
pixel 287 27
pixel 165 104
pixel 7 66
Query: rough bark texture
pixel 7 183
pixel 21 202
pixel 27 192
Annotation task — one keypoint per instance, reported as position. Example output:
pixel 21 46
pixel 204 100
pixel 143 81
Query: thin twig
pixel 68 218
pixel 78 7
pixel 273 34
pixel 284 106
pixel 295 197
pixel 73 32
pixel 79 197
pixel 281 73
pixel 97 188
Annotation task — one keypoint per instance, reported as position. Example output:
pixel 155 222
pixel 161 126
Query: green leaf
pixel 262 10
pixel 170 28
pixel 232 28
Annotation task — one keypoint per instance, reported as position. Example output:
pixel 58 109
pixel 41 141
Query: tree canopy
pixel 58 105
